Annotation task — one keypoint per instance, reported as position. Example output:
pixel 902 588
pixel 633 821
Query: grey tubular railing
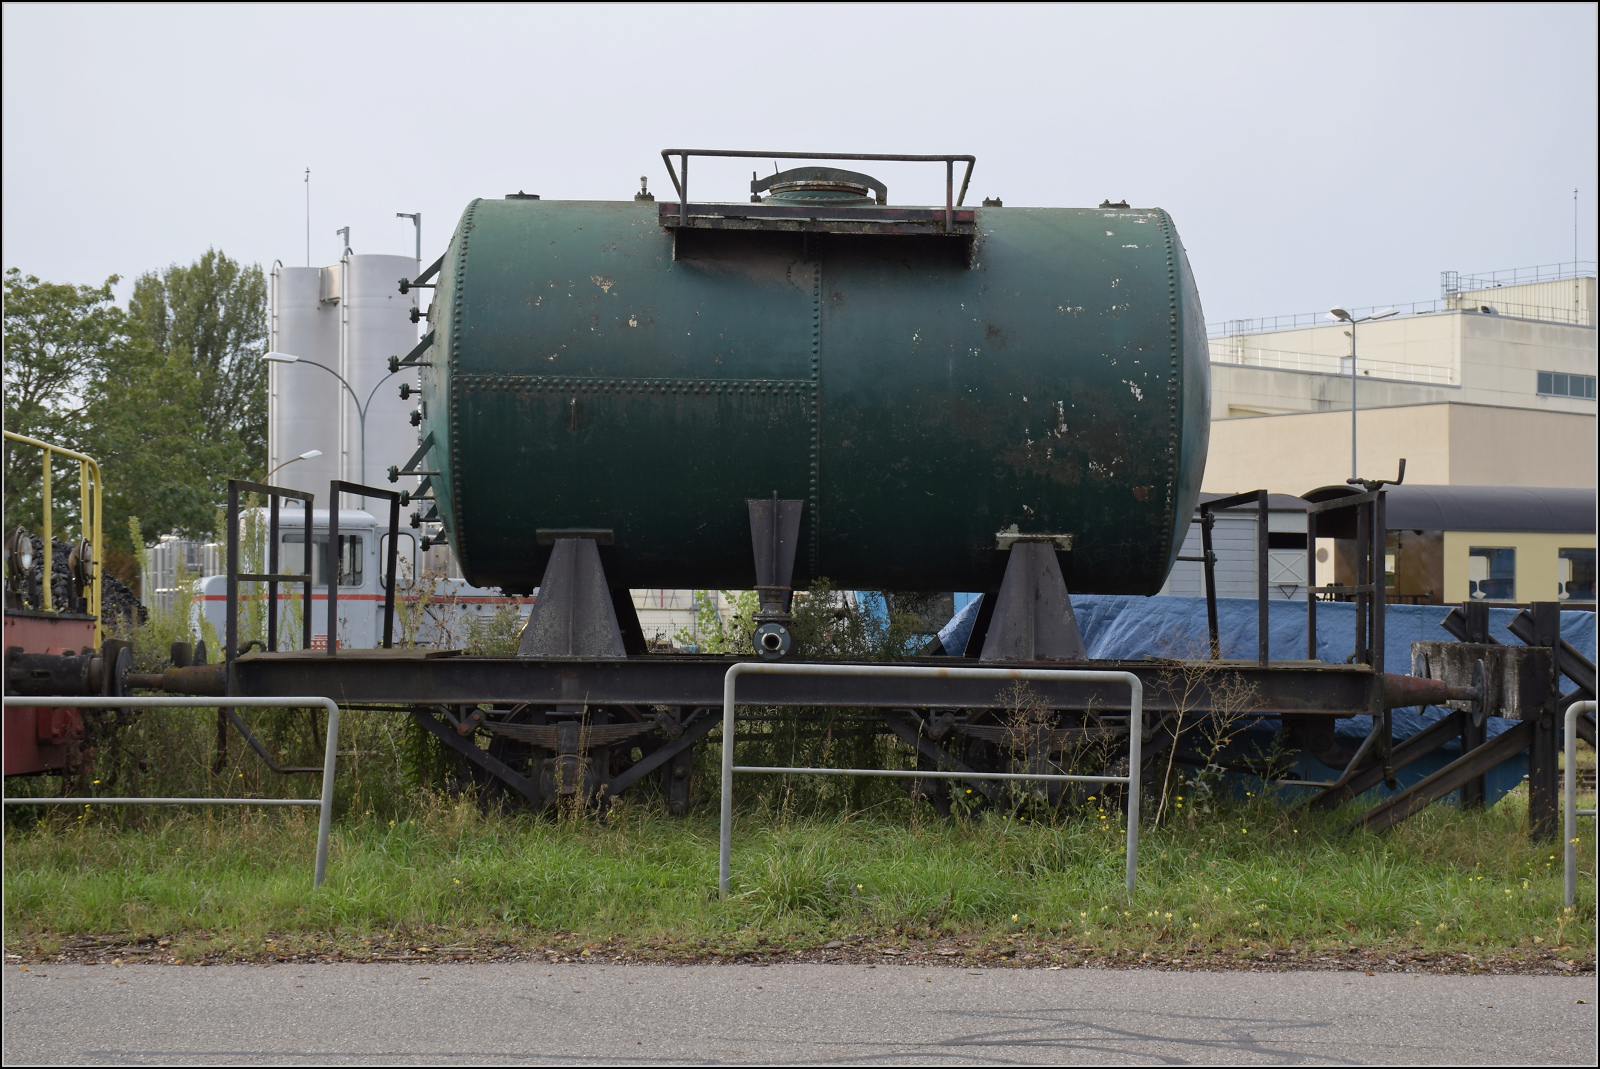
pixel 730 683
pixel 1570 810
pixel 329 756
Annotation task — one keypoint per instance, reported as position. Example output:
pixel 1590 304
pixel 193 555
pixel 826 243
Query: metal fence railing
pixel 729 699
pixel 1569 799
pixel 330 753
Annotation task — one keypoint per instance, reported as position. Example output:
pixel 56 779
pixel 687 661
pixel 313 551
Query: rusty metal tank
pixel 926 380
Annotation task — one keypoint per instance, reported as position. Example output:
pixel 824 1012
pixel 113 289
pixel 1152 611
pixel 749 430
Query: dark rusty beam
pixel 661 755
pixel 384 676
pixel 1450 778
pixel 1408 752
pixel 1572 663
pixel 1586 721
pixel 941 757
pixel 469 750
pixel 1544 629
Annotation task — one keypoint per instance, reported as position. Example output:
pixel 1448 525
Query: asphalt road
pixel 349 1014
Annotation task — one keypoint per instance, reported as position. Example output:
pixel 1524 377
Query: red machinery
pixel 50 652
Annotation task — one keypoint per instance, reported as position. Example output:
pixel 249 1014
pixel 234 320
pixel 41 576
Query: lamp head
pixel 1339 314
pixel 1385 314
pixel 309 454
pixel 280 358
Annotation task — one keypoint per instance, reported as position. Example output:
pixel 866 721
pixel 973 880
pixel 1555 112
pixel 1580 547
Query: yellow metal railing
pixel 88 509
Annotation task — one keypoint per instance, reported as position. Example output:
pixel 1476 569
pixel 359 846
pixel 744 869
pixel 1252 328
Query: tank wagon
pixel 917 382
pixel 821 383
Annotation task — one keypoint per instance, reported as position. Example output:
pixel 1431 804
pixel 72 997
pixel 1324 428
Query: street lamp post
pixel 309 454
pixel 1340 315
pixel 361 407
pixel 416 220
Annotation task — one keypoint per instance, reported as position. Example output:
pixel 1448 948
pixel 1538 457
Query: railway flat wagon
pixel 816 383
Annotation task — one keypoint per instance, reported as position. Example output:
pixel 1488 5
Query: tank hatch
pixel 819 185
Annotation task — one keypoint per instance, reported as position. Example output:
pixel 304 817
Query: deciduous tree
pixel 213 315
pixel 169 396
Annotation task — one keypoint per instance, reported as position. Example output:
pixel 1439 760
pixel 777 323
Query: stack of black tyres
pixel 119 606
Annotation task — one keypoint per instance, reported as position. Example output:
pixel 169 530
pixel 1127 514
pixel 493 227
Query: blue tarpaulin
pixel 1130 627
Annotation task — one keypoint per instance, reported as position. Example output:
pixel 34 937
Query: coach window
pixel 352 558
pixel 1492 573
pixel 405 558
pixel 1575 575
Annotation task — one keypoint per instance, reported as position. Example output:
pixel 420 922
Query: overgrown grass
pixel 1257 876
pixel 815 858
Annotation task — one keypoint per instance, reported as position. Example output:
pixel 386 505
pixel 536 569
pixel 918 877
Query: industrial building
pixel 1491 385
pixel 1488 393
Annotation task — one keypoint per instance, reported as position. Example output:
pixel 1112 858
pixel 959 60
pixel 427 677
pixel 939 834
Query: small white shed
pixel 1233 540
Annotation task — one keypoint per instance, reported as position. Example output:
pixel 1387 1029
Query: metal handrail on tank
pixel 951 199
pixel 729 700
pixel 89 513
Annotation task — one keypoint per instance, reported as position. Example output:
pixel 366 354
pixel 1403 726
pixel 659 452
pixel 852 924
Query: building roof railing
pixel 1582 317
pixel 1223 352
pixel 1456 282
pixel 1454 285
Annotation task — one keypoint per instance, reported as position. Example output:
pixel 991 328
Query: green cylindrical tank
pixel 595 370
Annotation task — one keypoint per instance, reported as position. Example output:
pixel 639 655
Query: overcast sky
pixel 1310 156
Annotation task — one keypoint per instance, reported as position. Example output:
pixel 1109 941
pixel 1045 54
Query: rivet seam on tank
pixel 816 405
pixel 460 541
pixel 1173 437
pixel 508 383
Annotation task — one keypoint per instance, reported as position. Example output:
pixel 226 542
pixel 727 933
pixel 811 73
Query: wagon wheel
pixel 524 758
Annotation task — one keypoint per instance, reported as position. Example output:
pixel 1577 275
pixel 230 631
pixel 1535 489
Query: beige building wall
pixel 1501 358
pixel 1241 391
pixel 1536 577
pixel 1444 444
pixel 1568 300
pixel 1462 357
pixel 1454 391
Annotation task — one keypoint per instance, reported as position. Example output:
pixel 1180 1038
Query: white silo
pixel 303 402
pixel 375 324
